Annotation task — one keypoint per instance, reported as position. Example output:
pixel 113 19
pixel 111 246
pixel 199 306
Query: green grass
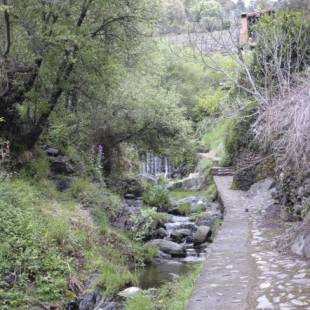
pixel 215 138
pixel 26 253
pixel 180 194
pixel 212 192
pixel 113 278
pixel 141 301
pixel 44 236
pixel 185 208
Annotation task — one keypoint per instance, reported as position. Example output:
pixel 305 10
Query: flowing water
pixel 166 270
pixel 153 165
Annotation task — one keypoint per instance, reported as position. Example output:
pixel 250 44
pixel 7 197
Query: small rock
pixel 160 233
pixel 129 292
pixel 129 196
pixel 180 234
pixel 301 245
pixel 61 165
pixel 52 152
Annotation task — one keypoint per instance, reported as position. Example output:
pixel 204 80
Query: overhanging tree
pixel 44 42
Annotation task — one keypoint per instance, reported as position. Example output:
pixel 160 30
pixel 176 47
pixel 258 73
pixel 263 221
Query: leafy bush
pixel 157 196
pixel 282 49
pixel 143 225
pixel 210 103
pixel 238 134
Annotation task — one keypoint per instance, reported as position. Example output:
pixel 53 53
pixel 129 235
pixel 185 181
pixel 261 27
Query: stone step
pixel 222 171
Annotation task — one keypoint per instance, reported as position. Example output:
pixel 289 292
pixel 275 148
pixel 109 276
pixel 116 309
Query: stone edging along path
pixel 242 271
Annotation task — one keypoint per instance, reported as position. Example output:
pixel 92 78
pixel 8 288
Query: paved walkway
pixel 243 271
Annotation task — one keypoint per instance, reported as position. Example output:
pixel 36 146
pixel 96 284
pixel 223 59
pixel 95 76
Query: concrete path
pixel 242 270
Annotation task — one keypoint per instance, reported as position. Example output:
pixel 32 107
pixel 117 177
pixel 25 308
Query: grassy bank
pixel 49 244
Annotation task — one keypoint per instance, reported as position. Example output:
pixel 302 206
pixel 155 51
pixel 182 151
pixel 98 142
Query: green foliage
pixel 143 224
pixel 31 268
pixel 206 11
pixel 57 230
pixel 37 167
pixel 238 135
pixel 212 192
pixel 205 167
pixel 180 194
pixel 185 208
pixel 282 48
pixel 142 301
pixel 214 139
pixel 210 103
pixel 114 274
pixel 173 17
pixel 113 278
pixel 157 196
pixel 96 196
pixel 79 186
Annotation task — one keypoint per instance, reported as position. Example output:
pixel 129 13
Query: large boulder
pixel 202 234
pixel 125 217
pixel 90 300
pixel 169 247
pixel 301 245
pixel 128 185
pixel 180 234
pixel 160 233
pixel 52 152
pixel 61 165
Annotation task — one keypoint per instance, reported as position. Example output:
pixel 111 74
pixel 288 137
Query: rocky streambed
pixel 182 241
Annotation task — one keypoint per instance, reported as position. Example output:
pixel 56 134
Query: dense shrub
pixel 282 49
pixel 157 196
pixel 210 103
pixel 144 224
pixel 238 134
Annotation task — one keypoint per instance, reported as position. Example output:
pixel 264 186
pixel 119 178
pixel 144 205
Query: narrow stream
pixel 167 269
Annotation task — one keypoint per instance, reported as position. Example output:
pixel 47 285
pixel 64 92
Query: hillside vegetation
pixel 87 88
